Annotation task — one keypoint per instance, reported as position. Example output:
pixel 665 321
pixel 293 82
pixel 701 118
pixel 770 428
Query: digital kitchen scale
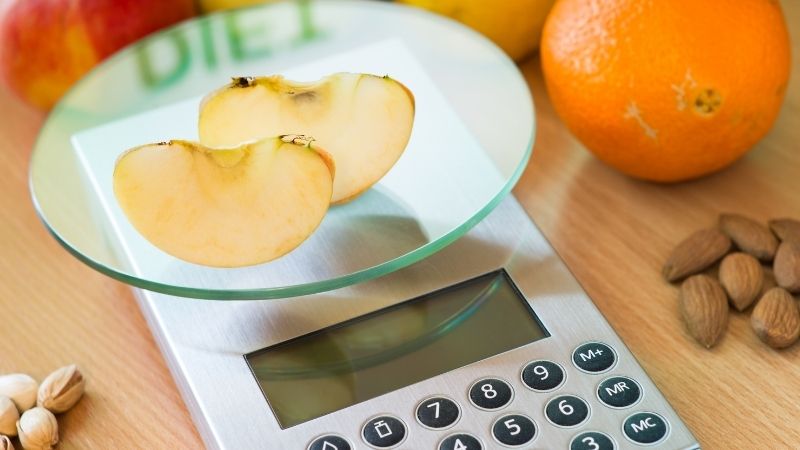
pixel 429 313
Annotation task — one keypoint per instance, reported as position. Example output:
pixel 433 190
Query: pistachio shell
pixel 61 389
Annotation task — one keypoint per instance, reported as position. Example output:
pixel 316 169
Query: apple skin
pixel 47 45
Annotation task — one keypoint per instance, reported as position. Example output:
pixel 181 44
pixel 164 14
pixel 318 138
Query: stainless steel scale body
pixel 204 344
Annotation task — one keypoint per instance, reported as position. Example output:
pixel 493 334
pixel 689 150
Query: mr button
pixel 645 428
pixel 593 357
pixel 619 392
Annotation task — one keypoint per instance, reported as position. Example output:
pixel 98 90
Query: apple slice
pixel 225 207
pixel 364 121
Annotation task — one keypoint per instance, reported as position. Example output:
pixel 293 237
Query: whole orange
pixel 666 90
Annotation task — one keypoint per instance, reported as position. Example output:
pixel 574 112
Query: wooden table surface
pixel 613 232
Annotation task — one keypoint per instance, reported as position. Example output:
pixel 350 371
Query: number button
pixel 566 411
pixel 490 393
pixel 543 376
pixel 461 441
pixel 384 432
pixel 514 430
pixel 619 392
pixel 594 357
pixel 645 428
pixel 438 413
pixel 330 442
pixel 592 440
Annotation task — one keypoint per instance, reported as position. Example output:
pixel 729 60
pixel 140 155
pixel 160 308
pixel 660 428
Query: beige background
pixel 613 232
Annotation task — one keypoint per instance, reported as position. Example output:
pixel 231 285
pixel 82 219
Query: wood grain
pixel 613 232
pixel 56 311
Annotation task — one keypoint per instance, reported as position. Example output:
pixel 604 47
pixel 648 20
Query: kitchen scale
pixel 429 313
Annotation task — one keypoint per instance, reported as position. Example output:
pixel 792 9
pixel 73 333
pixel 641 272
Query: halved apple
pixel 225 207
pixel 364 121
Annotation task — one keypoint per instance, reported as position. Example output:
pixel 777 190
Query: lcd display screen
pixel 365 357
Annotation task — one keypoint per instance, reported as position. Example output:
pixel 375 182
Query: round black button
pixel 461 441
pixel 330 442
pixel 619 392
pixel 514 430
pixel 438 412
pixel 566 410
pixel 542 375
pixel 384 431
pixel 593 357
pixel 645 428
pixel 592 440
pixel 490 393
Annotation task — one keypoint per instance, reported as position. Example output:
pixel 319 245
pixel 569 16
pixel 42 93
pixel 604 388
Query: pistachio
pixel 37 429
pixel 5 443
pixel 20 388
pixel 61 389
pixel 8 417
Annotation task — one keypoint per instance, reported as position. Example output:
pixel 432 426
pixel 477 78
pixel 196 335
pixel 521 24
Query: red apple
pixel 46 45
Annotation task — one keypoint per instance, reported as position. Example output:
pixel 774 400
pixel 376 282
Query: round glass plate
pixel 472 138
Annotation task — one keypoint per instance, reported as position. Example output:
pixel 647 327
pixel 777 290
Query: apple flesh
pixel 225 207
pixel 46 45
pixel 363 120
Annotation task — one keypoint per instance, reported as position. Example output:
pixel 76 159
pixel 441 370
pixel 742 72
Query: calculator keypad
pixel 594 357
pixel 438 413
pixel 567 411
pixel 543 376
pixel 645 428
pixel 384 432
pixel 592 440
pixel 619 392
pixel 491 394
pixel 514 430
pixel 461 441
pixel 330 442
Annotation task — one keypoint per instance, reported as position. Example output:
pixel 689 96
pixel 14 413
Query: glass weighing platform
pixel 429 313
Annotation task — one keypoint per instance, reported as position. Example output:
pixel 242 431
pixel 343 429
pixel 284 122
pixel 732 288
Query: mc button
pixel 594 357
pixel 645 428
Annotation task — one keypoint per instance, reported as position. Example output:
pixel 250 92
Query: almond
pixel 704 308
pixel 741 276
pixel 749 235
pixel 787 266
pixel 698 251
pixel 776 319
pixel 786 229
pixel 769 281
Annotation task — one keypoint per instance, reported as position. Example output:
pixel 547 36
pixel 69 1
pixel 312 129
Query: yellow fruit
pixel 514 25
pixel 217 5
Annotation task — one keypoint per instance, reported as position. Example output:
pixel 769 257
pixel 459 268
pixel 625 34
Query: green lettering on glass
pixel 163 72
pixel 240 35
pixel 207 40
pixel 307 29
